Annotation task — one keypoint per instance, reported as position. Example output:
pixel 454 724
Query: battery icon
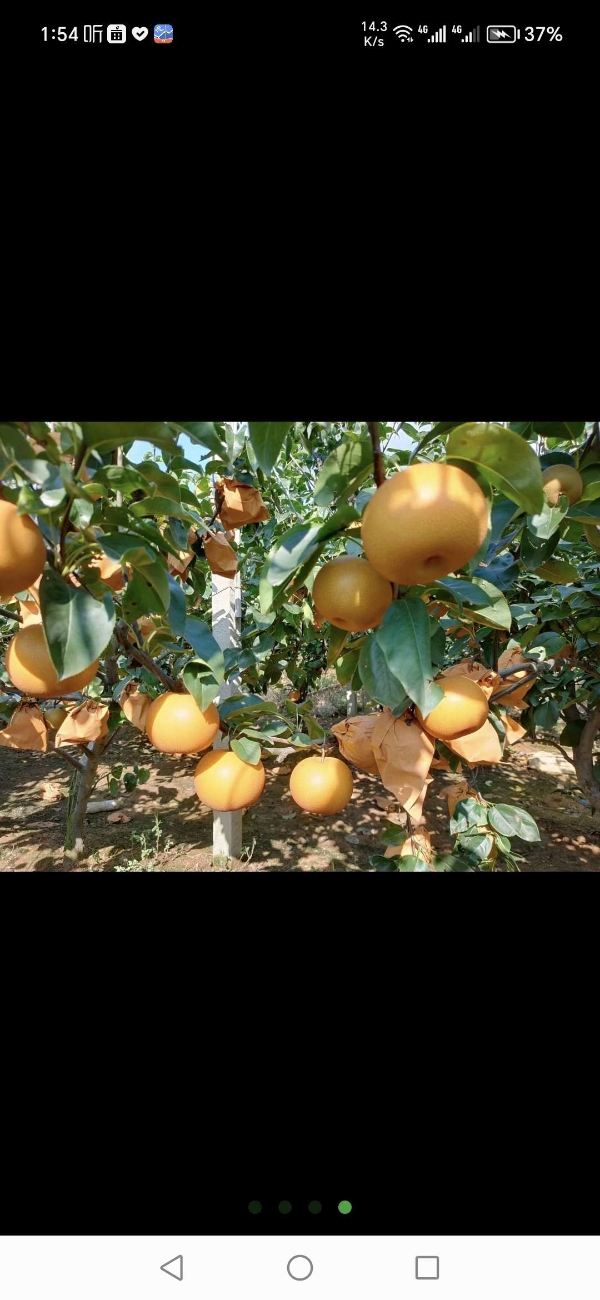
pixel 506 35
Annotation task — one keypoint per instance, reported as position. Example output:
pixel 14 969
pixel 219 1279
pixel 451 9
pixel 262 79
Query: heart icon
pixel 139 32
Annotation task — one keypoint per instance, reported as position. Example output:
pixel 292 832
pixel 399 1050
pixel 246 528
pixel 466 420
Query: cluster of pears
pixel 421 524
pixel 175 724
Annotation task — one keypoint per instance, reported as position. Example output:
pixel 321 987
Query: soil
pixel 169 830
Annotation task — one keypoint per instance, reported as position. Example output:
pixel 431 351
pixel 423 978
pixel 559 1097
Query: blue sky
pixel 192 450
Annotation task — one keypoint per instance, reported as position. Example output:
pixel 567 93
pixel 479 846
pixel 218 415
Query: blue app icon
pixel 163 34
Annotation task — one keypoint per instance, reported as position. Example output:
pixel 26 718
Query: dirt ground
pixel 169 830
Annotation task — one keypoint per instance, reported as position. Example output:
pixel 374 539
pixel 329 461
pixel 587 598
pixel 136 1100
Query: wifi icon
pixel 403 33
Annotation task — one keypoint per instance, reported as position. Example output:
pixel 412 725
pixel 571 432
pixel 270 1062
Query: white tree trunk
pixel 227 628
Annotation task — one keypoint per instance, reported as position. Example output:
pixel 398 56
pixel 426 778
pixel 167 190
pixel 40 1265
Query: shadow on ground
pixel 278 836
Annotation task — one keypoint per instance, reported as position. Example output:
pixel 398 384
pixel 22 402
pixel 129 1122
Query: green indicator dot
pixel 315 1207
pixel 255 1207
pixel 284 1207
pixel 344 1207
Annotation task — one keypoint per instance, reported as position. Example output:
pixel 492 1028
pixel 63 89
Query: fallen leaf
pixel 50 792
pixel 118 817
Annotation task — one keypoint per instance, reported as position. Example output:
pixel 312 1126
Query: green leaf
pixel 565 430
pixel 536 551
pixel 411 863
pixel 587 512
pixel 117 434
pixel 438 646
pixel 461 590
pixel 177 607
pixel 556 458
pixel 201 639
pixel 571 733
pixel 201 682
pixel 235 706
pixel 208 434
pixel 524 428
pixel 382 863
pixel 509 820
pixel 502 843
pixel 440 429
pixel 393 835
pixel 346 666
pixel 546 714
pixel 121 478
pixel 550 642
pixel 497 614
pixel 337 641
pixel 248 750
pixel 14 449
pixel 557 571
pixel 141 596
pixel 479 845
pixel 503 512
pixel 344 470
pixel 468 812
pixel 159 508
pixel 300 544
pixel 504 459
pixel 77 627
pixel 269 731
pixel 267 439
pixel 404 640
pixel 454 862
pixel 545 524
pixel 380 682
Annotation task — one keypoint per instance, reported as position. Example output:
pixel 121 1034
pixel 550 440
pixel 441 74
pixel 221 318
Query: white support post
pixel 227 629
pixel 351 704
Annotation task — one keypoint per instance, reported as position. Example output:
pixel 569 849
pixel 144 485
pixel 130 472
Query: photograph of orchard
pixel 300 646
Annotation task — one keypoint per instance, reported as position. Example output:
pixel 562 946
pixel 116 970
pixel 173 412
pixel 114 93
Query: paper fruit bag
pixel 83 725
pixel 27 729
pixel 354 737
pixel 403 753
pixel 221 557
pixel 135 704
pixel 242 504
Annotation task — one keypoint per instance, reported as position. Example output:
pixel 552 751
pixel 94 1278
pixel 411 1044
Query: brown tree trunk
pixel 81 788
pixel 583 758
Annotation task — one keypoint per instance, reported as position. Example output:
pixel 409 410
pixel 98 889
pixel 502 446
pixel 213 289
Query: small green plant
pixel 483 835
pixel 119 776
pixel 148 851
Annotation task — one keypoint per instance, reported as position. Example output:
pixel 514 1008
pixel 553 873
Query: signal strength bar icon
pixel 475 35
pixel 438 36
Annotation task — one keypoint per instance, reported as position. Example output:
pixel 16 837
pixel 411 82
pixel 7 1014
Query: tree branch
pixel 8 614
pixel 73 762
pixel 514 686
pixel 583 759
pixel 378 466
pixel 495 650
pixel 79 459
pixel 146 660
pixel 549 741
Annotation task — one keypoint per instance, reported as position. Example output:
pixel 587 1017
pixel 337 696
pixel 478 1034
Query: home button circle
pixel 300 1267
